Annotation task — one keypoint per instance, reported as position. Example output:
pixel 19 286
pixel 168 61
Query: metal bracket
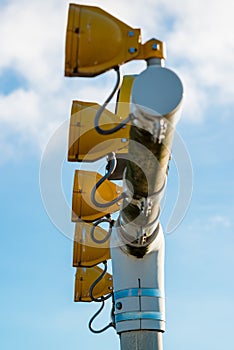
pixel 137 292
pixel 155 125
pixel 145 204
pixel 159 130
pixel 136 239
pixel 138 304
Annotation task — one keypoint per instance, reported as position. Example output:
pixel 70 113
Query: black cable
pixel 113 312
pixel 98 184
pixel 102 108
pixel 102 298
pixel 93 318
pixel 101 241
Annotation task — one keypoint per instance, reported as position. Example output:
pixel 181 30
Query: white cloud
pixel 202 38
pixel 200 48
pixel 219 221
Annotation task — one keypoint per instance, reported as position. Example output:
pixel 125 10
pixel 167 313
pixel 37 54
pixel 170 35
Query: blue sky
pixel 37 309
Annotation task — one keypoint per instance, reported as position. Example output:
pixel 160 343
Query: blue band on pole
pixel 140 315
pixel 136 292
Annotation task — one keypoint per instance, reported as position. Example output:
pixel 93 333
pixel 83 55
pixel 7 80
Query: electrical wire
pixel 102 298
pixel 102 108
pixel 100 182
pixel 92 233
pixel 113 312
pixel 93 318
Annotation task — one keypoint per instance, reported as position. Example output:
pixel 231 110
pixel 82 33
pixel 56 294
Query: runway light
pixel 85 277
pixel 86 251
pixel 82 206
pixel 96 42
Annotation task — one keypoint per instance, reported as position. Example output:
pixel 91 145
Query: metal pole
pixel 147 176
pixel 156 101
pixel 141 340
pixel 139 310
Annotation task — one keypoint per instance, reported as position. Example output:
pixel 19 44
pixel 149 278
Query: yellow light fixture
pixel 85 277
pixel 85 143
pixel 82 206
pixel 86 251
pixel 96 42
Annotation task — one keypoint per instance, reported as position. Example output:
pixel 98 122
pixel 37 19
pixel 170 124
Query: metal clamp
pixel 155 124
pixel 136 292
pixel 140 315
pixel 159 130
pixel 145 204
pixel 140 308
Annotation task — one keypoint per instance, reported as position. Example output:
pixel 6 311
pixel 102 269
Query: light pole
pixel 95 43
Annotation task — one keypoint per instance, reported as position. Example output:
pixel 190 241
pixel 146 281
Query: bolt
pixel 155 46
pixel 132 50
pixel 124 140
pixel 119 306
pixel 131 33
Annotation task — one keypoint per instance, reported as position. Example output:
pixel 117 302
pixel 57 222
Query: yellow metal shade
pixel 86 251
pixel 85 143
pixel 85 277
pixel 124 97
pixel 82 206
pixel 97 41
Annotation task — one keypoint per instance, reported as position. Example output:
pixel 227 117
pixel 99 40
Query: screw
pixel 155 46
pixel 132 50
pixel 124 140
pixel 131 33
pixel 119 306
